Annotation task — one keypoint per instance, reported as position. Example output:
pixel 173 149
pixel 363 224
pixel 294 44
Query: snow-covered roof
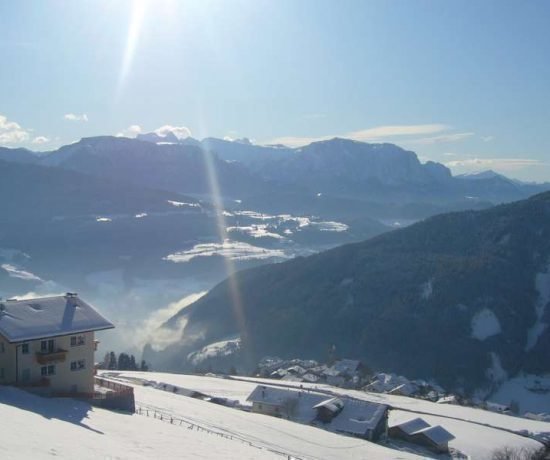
pixel 414 425
pixel 332 404
pixel 305 400
pixel 271 395
pixel 311 378
pixel 437 434
pixel 346 365
pixel 32 319
pixel 405 389
pixel 358 417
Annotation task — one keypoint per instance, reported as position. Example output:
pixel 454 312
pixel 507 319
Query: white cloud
pixel 382 132
pixel 377 134
pixel 11 132
pixel 181 132
pixel 444 138
pixel 40 140
pixel 130 131
pixel 487 138
pixel 292 141
pixel 75 117
pixel 498 164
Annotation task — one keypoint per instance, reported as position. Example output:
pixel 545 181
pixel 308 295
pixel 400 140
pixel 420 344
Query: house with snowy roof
pixel 363 419
pixel 420 432
pixel 49 342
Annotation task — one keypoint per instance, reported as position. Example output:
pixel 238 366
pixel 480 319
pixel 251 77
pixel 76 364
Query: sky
pixel 464 83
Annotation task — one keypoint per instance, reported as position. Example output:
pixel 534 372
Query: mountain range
pixel 337 169
pixel 141 223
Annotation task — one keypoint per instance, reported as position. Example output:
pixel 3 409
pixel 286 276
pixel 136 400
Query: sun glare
pixel 137 15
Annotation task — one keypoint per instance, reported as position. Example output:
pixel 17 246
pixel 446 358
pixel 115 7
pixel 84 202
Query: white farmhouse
pixel 49 342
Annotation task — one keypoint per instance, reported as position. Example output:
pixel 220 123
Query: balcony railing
pixel 47 357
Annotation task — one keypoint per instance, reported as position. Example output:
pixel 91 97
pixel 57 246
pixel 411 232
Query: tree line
pixel 122 362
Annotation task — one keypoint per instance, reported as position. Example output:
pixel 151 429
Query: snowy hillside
pixel 478 433
pixel 38 428
pixel 195 428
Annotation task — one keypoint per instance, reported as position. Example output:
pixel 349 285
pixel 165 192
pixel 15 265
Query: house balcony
pixel 49 357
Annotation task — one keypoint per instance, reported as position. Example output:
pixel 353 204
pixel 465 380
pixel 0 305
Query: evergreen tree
pixel 112 362
pixel 123 362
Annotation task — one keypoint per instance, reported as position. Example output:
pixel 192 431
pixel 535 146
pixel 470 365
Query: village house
pixel 348 416
pixel 418 431
pixel 49 342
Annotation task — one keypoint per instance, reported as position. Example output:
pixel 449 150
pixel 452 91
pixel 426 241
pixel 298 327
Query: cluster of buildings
pixel 363 419
pixel 346 373
pixel 349 373
pixel 399 385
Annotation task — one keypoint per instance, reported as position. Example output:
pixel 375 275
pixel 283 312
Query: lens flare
pixel 139 8
pixel 234 290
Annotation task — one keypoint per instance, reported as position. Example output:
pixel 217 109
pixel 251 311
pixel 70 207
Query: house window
pixel 77 340
pixel 25 349
pixel 78 365
pixel 47 370
pixel 47 346
pixel 2 347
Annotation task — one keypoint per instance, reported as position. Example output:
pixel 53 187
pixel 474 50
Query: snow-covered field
pixel 289 438
pixel 38 428
pixel 478 432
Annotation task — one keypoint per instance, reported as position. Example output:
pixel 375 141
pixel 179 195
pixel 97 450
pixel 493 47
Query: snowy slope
pixel 39 428
pixel 304 442
pixel 477 432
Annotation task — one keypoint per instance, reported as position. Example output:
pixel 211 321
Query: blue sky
pixel 461 82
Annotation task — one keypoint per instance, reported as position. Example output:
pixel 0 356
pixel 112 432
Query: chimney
pixel 71 299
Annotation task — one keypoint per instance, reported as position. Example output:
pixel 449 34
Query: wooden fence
pixel 155 413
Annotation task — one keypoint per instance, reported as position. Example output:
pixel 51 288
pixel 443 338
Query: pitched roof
pixel 437 434
pixel 358 417
pixel 276 396
pixel 413 425
pixel 32 319
pixel 332 404
pixel 346 365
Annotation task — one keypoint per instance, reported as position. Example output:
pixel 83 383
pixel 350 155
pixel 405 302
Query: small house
pixel 328 409
pixel 436 438
pixel 49 342
pixel 277 402
pixel 357 418
pixel 362 419
pixel 418 431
